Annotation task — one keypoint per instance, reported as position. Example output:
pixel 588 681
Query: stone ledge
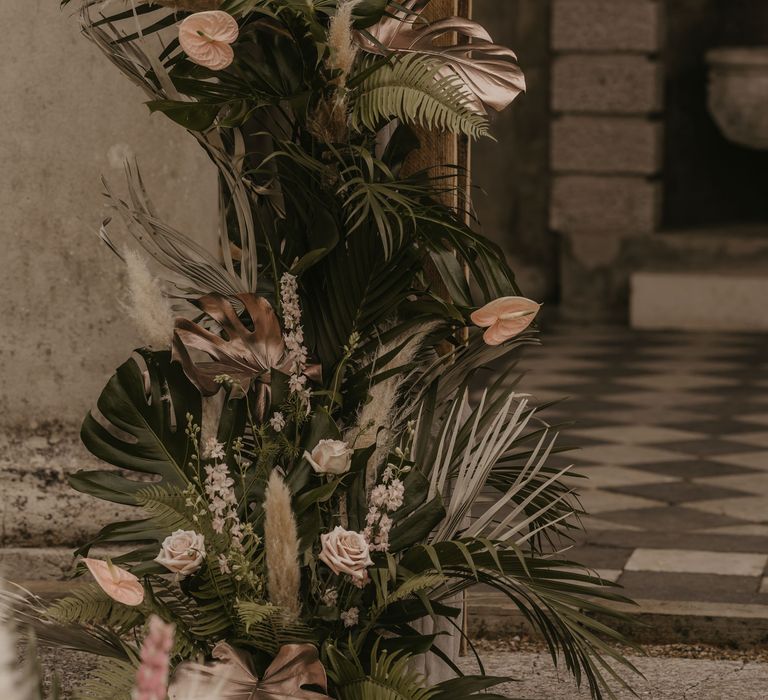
pixel 650 621
pixel 39 509
pixel 44 566
pixel 703 301
pixel 603 25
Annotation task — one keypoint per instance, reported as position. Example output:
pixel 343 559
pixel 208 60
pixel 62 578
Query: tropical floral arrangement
pixel 322 434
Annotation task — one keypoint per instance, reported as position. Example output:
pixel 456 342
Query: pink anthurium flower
pixel 117 583
pixel 206 37
pixel 505 318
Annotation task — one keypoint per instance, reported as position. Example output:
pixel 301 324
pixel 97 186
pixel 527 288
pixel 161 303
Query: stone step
pixel 491 615
pixel 730 625
pixel 726 299
pixel 38 507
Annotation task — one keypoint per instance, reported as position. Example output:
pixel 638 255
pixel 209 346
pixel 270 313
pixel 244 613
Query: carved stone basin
pixel 738 94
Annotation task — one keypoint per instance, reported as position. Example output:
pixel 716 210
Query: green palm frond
pixel 389 678
pixel 111 679
pixel 564 604
pixel 416 90
pixel 89 604
pixel 410 587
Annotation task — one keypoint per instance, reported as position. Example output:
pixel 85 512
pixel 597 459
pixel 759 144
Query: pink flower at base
pixel 117 583
pixel 206 38
pixel 505 318
pixel 152 676
pixel 346 552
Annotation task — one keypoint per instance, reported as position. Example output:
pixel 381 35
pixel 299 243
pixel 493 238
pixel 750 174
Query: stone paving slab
pixel 665 679
pixel 671 431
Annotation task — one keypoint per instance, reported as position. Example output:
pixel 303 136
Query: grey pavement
pixel 665 678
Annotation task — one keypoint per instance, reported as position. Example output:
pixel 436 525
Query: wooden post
pixel 437 150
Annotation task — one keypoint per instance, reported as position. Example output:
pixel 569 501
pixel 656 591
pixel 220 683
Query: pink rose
pixel 117 583
pixel 206 38
pixel 346 552
pixel 182 552
pixel 330 457
pixel 505 318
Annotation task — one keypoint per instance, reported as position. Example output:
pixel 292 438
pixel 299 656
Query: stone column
pixel 607 88
pixel 68 116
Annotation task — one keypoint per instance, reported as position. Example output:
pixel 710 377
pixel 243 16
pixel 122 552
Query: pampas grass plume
pixel 145 303
pixel 281 545
pixel 16 680
pixel 343 49
pixel 375 420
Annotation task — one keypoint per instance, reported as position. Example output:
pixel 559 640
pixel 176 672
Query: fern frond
pixel 254 613
pixel 390 676
pixel 416 90
pixel 111 679
pixel 168 509
pixel 89 605
pixel 267 628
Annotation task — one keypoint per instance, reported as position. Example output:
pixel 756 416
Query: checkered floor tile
pixel 672 432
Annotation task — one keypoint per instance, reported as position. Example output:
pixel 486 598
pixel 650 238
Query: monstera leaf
pixel 489 71
pixel 139 424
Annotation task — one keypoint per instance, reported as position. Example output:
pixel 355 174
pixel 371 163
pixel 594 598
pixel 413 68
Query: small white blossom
pixel 294 336
pixel 350 617
pixel 224 565
pixel 213 449
pixel 330 597
pixel 277 422
pixel 222 501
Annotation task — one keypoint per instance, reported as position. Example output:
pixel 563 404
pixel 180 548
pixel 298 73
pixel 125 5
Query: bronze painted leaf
pixel 490 71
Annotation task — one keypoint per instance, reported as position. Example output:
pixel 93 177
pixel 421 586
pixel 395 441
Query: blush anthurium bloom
pixel 117 583
pixel 505 318
pixel 206 38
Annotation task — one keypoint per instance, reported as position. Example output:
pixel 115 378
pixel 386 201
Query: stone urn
pixel 738 94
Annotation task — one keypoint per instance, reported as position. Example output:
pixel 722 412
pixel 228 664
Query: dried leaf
pixel 244 355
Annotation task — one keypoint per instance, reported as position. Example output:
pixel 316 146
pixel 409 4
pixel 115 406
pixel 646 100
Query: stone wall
pixel 511 174
pixel 606 91
pixel 67 114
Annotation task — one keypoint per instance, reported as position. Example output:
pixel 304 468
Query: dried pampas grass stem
pixel 145 304
pixel 281 544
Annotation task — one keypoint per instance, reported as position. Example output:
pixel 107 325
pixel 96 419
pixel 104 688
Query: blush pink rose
pixel 206 38
pixel 182 552
pixel 346 552
pixel 505 318
pixel 117 583
pixel 330 457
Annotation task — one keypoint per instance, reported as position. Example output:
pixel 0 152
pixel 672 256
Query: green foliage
pixel 316 180
pixel 417 91
pixel 88 604
pixel 110 679
pixel 388 676
pixel 139 425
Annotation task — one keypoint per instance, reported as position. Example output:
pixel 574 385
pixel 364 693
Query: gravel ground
pixel 670 651
pixel 671 672
pixel 663 678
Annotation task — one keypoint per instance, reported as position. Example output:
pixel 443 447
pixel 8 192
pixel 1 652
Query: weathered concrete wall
pixel 64 107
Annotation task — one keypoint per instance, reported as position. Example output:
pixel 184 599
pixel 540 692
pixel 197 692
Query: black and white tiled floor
pixel 671 430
